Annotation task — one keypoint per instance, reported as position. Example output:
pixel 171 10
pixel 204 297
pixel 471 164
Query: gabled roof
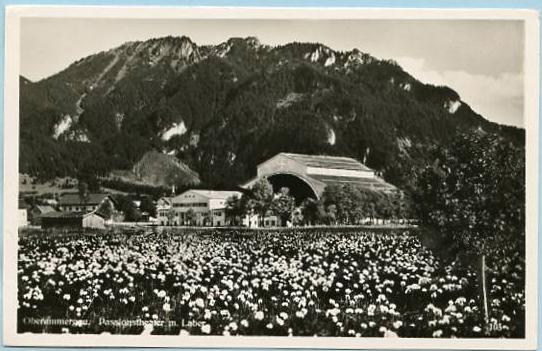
pixel 374 184
pixel 215 194
pixel 75 199
pixel 63 215
pixel 166 200
pixel 70 214
pixel 44 209
pixel 321 161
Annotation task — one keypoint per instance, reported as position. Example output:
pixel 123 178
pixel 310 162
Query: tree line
pixel 339 205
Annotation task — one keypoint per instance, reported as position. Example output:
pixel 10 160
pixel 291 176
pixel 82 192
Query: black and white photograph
pixel 296 178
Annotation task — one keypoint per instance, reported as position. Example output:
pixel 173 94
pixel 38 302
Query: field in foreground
pixel 296 282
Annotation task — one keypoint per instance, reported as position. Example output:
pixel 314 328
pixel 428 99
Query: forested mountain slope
pixel 222 109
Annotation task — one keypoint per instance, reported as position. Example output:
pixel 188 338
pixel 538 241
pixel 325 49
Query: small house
pixel 74 220
pixel 37 211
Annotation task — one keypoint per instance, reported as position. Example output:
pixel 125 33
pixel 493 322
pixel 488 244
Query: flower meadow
pixel 296 282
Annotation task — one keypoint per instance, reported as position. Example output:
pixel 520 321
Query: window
pixel 191 204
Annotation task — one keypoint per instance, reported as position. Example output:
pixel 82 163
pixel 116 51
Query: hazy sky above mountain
pixel 481 59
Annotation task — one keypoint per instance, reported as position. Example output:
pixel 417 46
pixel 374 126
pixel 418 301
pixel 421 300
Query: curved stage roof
pixel 318 171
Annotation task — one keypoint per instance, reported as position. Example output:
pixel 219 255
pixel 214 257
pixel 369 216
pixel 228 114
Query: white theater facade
pixel 195 207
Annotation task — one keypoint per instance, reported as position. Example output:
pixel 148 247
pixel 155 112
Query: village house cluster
pixel 70 210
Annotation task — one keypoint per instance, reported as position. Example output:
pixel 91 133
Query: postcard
pixel 271 177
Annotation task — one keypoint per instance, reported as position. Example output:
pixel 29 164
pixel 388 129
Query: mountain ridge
pixel 223 108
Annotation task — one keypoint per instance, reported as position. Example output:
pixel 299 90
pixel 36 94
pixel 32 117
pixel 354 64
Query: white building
pixel 195 207
pixel 22 214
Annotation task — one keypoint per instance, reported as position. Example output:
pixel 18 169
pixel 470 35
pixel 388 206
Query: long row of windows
pixel 164 213
pixel 78 208
pixel 191 204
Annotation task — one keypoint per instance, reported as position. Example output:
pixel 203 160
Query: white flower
pixel 397 324
pixel 199 302
pixel 437 333
pixel 166 307
pixel 476 329
pixel 244 323
pixel 66 297
pixel 206 329
pixel 207 314
pixel 269 326
pixel 390 334
pixel 259 315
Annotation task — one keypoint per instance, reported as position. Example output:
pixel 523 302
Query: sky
pixel 480 59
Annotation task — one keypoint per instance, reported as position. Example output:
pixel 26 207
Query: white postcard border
pixel 11 152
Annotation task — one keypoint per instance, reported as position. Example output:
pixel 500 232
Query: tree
pixel 147 205
pixel 283 205
pixel 90 179
pixel 333 198
pixel 127 206
pixel 261 197
pixel 83 191
pixel 474 195
pixel 331 214
pixel 190 216
pixel 235 208
pixel 384 207
pixel 348 203
pixel 106 209
pixel 313 211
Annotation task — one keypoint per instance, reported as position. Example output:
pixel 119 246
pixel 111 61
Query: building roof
pixel 375 184
pixel 321 161
pixel 75 199
pixel 44 208
pixel 167 201
pixel 68 215
pixel 215 194
pixel 63 215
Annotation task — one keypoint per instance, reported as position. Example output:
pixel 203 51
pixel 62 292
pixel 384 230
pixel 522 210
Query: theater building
pixel 308 175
